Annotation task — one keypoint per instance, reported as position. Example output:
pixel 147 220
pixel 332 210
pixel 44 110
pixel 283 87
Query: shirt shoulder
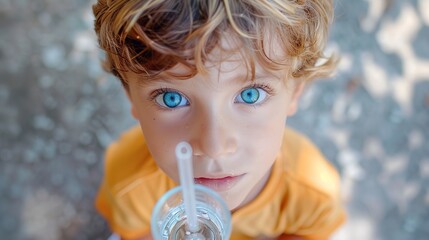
pixel 131 185
pixel 307 165
pixel 128 157
pixel 302 196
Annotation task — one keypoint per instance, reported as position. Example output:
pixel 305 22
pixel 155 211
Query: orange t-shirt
pixel 301 197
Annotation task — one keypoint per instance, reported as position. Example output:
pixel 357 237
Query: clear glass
pixel 169 218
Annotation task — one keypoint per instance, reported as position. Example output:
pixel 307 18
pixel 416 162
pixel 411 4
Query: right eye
pixel 171 99
pixel 252 95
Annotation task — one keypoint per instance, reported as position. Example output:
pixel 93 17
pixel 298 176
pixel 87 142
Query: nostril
pixel 196 149
pixel 213 142
pixel 214 150
pixel 197 153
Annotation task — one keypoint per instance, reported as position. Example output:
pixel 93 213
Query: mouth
pixel 220 184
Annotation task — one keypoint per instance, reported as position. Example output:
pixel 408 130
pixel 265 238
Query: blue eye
pixel 251 95
pixel 171 100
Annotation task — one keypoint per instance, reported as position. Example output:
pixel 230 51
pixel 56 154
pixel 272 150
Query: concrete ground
pixel 59 110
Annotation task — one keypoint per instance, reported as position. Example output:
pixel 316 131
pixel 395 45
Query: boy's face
pixel 234 125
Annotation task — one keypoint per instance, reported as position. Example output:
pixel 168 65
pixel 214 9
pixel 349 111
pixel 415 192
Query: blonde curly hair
pixel 149 37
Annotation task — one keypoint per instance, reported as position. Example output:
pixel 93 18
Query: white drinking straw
pixel 184 158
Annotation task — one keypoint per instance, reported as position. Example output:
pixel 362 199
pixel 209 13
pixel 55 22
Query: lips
pixel 220 184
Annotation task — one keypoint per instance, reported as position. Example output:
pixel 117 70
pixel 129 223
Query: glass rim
pixel 198 188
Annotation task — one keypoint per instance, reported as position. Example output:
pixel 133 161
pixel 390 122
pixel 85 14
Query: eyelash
pixel 159 91
pixel 270 91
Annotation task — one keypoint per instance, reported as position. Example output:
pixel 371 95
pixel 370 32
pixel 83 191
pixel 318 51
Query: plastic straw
pixel 184 158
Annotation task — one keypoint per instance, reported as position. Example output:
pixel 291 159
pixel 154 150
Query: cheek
pixel 264 133
pixel 268 139
pixel 162 135
pixel 268 121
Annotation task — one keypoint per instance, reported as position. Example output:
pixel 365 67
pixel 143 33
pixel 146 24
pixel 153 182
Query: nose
pixel 215 136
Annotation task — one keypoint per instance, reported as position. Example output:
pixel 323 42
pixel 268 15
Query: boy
pixel 222 75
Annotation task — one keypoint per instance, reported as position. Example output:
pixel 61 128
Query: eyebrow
pixel 238 78
pixel 153 80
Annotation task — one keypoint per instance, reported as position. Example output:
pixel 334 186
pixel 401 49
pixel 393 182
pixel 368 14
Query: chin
pixel 233 202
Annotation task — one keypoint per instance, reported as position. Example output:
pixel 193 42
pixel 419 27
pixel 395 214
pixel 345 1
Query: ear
pixel 299 88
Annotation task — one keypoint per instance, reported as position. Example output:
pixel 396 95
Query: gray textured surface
pixel 58 111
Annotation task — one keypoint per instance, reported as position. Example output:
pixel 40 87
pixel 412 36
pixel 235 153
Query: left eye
pixel 171 100
pixel 251 95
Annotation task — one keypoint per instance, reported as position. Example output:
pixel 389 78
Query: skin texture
pixel 229 136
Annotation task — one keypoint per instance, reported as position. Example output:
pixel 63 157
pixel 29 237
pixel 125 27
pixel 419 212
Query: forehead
pixel 231 56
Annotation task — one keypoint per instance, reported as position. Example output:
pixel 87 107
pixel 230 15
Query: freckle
pixel 154 119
